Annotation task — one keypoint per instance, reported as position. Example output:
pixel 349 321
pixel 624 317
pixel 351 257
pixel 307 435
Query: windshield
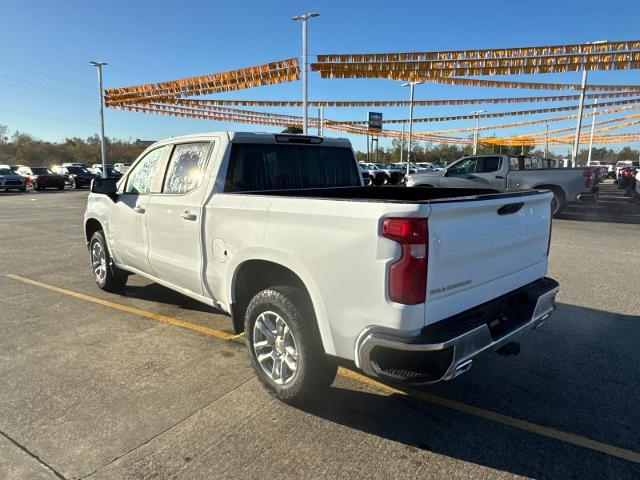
pixel 6 171
pixel 77 170
pixel 40 171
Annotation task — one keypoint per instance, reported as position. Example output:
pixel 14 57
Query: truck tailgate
pixel 480 249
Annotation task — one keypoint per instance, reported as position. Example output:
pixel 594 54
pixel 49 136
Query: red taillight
pixel 588 181
pixel 408 274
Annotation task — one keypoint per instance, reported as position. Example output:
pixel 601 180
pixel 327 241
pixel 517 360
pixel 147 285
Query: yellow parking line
pixel 136 311
pixel 577 440
pixel 548 432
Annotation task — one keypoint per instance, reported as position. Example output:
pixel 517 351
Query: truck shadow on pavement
pixel 613 206
pixel 578 374
pixel 154 292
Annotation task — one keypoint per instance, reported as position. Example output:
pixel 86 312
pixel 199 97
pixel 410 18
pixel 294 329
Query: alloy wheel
pixel 275 348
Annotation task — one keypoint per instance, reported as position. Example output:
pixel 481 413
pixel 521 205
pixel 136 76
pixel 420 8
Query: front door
pixel 127 216
pixel 174 218
pixel 477 172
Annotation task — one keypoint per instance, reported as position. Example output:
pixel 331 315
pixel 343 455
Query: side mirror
pixel 105 186
pixel 445 172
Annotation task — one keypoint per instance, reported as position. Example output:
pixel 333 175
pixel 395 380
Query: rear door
pixel 174 217
pixel 481 249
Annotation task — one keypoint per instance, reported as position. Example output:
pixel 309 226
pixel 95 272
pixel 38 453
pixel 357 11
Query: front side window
pixel 141 178
pixel 464 166
pixel 186 168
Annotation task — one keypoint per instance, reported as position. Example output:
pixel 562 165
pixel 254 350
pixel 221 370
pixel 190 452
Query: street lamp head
pixel 306 16
pixel 408 84
pixel 597 42
pixel 97 64
pixel 478 112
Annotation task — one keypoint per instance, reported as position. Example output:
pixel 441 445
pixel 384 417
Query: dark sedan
pixel 75 177
pixel 41 178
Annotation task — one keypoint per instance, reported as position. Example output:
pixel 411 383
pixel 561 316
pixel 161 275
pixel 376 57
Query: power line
pixel 81 123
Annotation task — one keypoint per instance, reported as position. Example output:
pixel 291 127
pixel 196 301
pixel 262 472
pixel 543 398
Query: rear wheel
pixel 107 276
pixel 557 202
pixel 284 345
pixel 35 186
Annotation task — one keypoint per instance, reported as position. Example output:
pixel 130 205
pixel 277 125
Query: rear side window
pixel 255 167
pixel 186 168
pixel 488 164
pixel 140 179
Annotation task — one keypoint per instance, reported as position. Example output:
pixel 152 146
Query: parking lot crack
pixel 170 427
pixel 33 455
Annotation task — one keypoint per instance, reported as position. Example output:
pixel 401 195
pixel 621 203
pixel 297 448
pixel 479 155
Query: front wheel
pixel 284 345
pixel 108 277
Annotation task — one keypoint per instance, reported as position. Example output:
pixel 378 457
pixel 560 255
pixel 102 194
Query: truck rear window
pixel 255 167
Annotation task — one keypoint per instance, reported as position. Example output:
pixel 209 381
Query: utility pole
pixel 103 143
pixel 411 86
pixel 475 131
pixel 321 120
pixel 593 126
pixel 546 142
pixel 305 107
pixel 401 142
pixel 583 87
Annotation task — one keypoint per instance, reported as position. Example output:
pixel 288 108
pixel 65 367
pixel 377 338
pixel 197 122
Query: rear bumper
pixel 588 197
pixel 446 349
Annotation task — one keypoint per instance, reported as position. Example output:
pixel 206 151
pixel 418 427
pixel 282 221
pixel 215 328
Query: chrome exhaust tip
pixel 462 368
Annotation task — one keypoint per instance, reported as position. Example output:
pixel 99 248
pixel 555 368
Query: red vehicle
pixel 41 178
pixel 626 178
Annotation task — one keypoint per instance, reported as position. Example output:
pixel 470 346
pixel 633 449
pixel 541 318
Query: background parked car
pixel 624 163
pixel 41 178
pixel 377 175
pixel 75 177
pixel 122 167
pixel 96 169
pixel 9 180
pixel 396 177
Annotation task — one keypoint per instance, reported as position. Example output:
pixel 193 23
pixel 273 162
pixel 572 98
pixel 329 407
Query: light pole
pixel 103 144
pixel 411 86
pixel 546 142
pixel 401 142
pixel 305 108
pixel 593 126
pixel 475 131
pixel 583 87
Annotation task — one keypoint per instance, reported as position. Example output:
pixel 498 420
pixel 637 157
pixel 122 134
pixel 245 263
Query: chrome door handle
pixel 138 209
pixel 187 215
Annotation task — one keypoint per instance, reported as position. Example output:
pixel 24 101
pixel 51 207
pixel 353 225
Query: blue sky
pixel 48 89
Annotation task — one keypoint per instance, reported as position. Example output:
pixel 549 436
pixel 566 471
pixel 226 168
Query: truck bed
pixel 394 194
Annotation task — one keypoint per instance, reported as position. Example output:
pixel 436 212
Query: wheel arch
pixel 91 226
pixel 253 275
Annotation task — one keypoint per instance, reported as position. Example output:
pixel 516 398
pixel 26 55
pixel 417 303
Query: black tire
pixel 315 370
pixel 378 180
pixel 558 202
pixel 73 184
pixel 114 279
pixel 34 185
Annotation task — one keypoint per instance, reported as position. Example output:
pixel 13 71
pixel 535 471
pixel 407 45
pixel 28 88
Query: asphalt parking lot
pixel 149 384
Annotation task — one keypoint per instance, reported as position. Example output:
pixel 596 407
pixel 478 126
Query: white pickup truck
pixel 505 173
pixel 279 232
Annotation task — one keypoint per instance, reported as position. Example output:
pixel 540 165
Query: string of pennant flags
pixel 174 97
